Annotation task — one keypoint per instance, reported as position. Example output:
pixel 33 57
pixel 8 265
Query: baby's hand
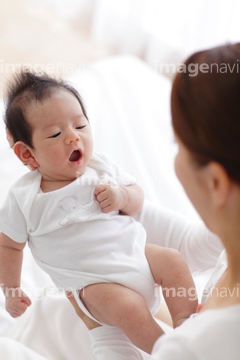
pixel 17 302
pixel 111 198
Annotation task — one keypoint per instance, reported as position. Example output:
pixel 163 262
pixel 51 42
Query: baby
pixel 74 208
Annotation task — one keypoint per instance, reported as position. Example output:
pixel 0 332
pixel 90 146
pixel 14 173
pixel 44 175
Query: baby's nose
pixel 72 137
pixel 76 138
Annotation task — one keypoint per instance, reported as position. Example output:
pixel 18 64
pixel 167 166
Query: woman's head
pixel 206 107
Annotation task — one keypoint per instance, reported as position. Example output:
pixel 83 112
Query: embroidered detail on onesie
pixel 76 212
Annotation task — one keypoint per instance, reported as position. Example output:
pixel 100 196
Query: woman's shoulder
pixel 212 334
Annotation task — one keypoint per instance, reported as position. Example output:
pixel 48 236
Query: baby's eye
pixel 55 135
pixel 80 127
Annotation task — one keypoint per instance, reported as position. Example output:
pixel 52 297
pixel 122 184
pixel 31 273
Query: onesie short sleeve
pixel 16 210
pixel 102 162
pixel 121 176
pixel 12 220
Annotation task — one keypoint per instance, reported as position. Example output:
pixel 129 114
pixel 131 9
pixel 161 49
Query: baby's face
pixel 61 136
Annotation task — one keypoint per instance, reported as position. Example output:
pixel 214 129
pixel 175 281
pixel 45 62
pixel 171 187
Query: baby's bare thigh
pixel 107 302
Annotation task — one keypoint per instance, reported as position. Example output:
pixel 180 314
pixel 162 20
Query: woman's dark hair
pixel 205 107
pixel 24 88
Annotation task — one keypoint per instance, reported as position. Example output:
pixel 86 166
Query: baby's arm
pixel 11 255
pixel 127 199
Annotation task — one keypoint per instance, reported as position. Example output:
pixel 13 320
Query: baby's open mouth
pixel 75 156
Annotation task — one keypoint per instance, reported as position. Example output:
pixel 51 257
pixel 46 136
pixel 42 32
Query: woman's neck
pixel 226 291
pixel 233 256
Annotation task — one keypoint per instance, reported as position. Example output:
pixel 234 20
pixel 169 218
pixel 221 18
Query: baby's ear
pixel 10 138
pixel 25 154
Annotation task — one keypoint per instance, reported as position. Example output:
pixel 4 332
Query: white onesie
pixel 73 240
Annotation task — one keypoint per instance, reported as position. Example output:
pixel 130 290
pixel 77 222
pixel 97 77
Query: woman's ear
pixel 25 154
pixel 219 183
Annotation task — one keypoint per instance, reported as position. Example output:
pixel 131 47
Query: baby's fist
pixel 17 302
pixel 110 198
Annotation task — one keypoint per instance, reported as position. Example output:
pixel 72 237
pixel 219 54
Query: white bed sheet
pixel 128 107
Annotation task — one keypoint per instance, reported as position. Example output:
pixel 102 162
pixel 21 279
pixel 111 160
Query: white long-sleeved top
pixel 200 247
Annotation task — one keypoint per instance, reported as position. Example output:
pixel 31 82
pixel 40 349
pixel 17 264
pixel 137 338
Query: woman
pixel 206 121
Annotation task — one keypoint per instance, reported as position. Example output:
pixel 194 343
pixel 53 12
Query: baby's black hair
pixel 24 88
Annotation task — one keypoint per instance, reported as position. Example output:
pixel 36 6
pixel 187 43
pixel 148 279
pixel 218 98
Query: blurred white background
pixel 65 35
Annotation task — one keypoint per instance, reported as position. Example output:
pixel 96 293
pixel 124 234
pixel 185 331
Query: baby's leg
pixel 119 306
pixel 170 271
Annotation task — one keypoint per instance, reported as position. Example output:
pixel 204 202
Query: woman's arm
pixel 199 247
